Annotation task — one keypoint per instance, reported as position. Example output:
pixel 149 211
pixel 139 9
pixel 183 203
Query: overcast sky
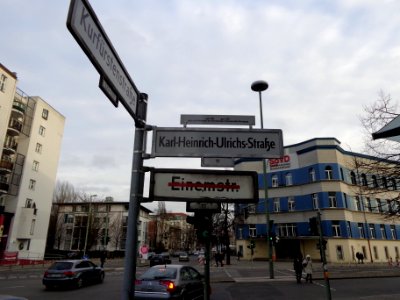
pixel 323 61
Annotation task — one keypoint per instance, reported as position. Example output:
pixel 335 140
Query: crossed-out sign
pixel 203 185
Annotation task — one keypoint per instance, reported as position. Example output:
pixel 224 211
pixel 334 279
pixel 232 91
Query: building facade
pixel 319 176
pixel 31 133
pixel 97 225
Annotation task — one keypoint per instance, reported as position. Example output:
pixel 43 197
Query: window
pixel 376 256
pixel 386 252
pixel 311 175
pixel 252 230
pixel 328 173
pixel 353 178
pixel 288 179
pixel 374 181
pixel 349 229
pixel 28 203
pixel 364 181
pixel 393 232
pixel 368 204
pixel 287 229
pixel 383 232
pixel 291 204
pixel 314 198
pixel 38 148
pixel 379 204
pixel 339 252
pixel 372 231
pixel 275 182
pixel 361 230
pixel 3 80
pixel 32 184
pixel 45 113
pixel 35 166
pixel 336 228
pixel 42 131
pixel 68 219
pixel 357 203
pixel 277 205
pixel 332 199
pixel 32 227
pixel 394 185
pixel 384 182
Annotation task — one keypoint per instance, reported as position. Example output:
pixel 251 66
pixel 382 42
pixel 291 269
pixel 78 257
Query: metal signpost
pixel 118 86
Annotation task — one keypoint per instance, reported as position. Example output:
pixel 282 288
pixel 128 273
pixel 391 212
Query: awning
pixel 390 131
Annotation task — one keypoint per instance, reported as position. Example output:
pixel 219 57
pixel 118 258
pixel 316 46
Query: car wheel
pixel 79 283
pixel 101 279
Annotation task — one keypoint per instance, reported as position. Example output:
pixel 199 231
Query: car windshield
pixel 159 273
pixel 63 265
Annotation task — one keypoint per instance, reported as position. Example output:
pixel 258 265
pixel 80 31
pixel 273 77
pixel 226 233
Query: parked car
pixel 165 254
pixel 183 256
pixel 159 259
pixel 170 282
pixel 72 273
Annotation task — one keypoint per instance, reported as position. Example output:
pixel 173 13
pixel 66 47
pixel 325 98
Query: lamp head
pixel 259 85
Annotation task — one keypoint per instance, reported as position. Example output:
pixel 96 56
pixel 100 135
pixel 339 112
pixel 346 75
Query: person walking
pixel 307 265
pixel 102 258
pixel 298 266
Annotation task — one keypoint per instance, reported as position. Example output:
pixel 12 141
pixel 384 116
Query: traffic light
pixel 313 223
pixel 324 242
pixel 274 238
pixel 202 223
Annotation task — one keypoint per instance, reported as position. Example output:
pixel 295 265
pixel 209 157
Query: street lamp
pixel 88 223
pixel 260 86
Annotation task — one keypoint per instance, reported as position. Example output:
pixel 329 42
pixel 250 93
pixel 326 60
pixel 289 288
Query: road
pixel 238 281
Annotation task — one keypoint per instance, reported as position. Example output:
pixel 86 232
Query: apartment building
pixel 31 133
pixel 97 225
pixel 314 176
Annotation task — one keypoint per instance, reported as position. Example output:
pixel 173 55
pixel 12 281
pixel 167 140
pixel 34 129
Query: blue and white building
pixel 319 175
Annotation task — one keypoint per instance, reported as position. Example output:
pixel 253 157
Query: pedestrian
pixel 307 265
pixel 239 254
pixel 358 255
pixel 221 259
pixel 298 266
pixel 102 258
pixel 362 257
pixel 216 257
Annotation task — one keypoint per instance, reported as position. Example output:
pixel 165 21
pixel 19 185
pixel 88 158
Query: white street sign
pixel 217 142
pixel 84 25
pixel 201 185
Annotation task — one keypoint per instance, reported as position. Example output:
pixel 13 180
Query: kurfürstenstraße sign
pixel 203 185
pixel 217 142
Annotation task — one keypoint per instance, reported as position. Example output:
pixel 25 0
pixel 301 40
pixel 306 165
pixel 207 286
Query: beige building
pixel 97 225
pixel 31 133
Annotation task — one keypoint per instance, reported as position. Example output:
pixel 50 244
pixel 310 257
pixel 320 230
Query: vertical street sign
pixel 85 27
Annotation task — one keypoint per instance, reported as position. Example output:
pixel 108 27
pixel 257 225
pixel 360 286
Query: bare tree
pixel 384 169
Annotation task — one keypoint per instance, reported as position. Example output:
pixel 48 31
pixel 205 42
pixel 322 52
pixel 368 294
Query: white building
pixel 96 226
pixel 31 132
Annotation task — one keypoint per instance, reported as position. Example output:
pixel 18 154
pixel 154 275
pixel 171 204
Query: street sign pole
pixel 136 195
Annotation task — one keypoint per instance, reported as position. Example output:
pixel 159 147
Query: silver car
pixel 170 282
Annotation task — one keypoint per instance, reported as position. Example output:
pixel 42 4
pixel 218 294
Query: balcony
pixel 19 106
pixel 4 188
pixel 14 127
pixel 6 166
pixel 10 148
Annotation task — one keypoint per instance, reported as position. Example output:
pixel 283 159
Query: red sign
pixel 144 249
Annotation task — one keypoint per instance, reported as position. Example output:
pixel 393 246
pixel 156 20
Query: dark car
pixel 72 273
pixel 170 282
pixel 159 259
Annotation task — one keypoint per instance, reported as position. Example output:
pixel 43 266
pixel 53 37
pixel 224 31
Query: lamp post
pixel 88 223
pixel 260 86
